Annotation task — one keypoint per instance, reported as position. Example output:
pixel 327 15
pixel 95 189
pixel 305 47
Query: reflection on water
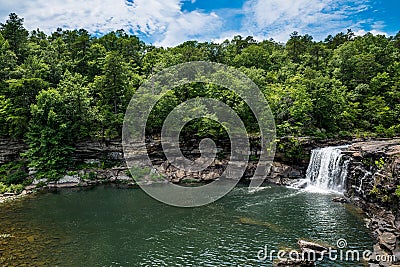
pixel 107 226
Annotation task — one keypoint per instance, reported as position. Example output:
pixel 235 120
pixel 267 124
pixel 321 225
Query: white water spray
pixel 327 170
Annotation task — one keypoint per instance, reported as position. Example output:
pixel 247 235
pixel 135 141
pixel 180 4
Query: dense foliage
pixel 59 88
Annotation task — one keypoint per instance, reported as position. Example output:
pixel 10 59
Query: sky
pixel 171 22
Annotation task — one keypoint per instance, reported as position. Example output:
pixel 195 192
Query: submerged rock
pixel 309 253
pixel 303 244
pixel 294 263
pixel 250 221
pixel 340 200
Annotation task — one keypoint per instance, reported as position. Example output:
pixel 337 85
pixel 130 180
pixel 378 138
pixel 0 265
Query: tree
pixel 253 56
pixel 7 59
pixel 17 36
pixel 297 45
pixel 21 94
pixel 59 119
pixel 112 92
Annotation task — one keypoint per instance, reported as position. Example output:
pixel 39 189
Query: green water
pixel 107 226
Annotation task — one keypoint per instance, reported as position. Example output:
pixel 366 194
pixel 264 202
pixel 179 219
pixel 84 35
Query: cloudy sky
pixel 170 22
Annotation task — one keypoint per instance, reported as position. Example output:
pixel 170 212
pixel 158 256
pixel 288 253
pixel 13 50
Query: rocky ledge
pixel 12 196
pixel 373 184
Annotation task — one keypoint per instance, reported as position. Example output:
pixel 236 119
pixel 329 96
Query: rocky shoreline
pixel 373 185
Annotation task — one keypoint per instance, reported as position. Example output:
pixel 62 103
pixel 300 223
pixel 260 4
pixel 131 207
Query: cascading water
pixel 327 170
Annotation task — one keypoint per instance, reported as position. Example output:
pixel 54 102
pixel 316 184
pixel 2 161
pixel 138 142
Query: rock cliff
pixel 373 183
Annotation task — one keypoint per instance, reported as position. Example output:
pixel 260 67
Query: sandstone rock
pixel 180 174
pixel 340 200
pixel 311 245
pixel 94 182
pixel 388 241
pixel 295 263
pixel 70 179
pixel 37 181
pixel 123 178
pixel 396 255
pixel 175 180
pixel 377 252
pixel 31 171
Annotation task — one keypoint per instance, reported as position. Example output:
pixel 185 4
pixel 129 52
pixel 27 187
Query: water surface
pixel 108 226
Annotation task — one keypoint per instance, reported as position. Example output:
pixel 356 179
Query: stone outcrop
pixel 10 150
pixel 374 172
pixel 87 177
pixel 99 157
pixel 283 171
pixel 308 254
pixel 373 184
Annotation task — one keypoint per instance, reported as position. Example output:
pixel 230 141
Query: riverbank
pixel 7 197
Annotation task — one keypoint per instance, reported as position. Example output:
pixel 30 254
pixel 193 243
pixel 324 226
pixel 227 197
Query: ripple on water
pixel 110 227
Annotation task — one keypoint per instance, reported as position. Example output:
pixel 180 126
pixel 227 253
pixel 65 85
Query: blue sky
pixel 170 22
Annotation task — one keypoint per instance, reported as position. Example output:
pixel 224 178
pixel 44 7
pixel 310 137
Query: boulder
pixel 124 178
pixel 388 241
pixel 295 263
pixel 312 246
pixel 69 179
pixel 340 200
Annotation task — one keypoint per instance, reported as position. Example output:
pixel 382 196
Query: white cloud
pixel 231 34
pixel 193 25
pixel 279 18
pixel 162 19
pixel 166 24
pixel 374 32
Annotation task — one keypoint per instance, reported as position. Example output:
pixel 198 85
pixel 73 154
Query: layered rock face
pixel 95 154
pixel 10 150
pixel 373 184
pixel 374 172
pixel 281 171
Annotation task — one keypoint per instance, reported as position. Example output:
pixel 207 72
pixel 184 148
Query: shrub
pixel 14 188
pixel 398 191
pixel 380 163
pixel 374 191
pixel 13 173
pixel 17 177
pixel 292 149
pixel 3 188
pixel 92 176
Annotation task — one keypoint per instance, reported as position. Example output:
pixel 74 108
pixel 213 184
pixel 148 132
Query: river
pixel 111 226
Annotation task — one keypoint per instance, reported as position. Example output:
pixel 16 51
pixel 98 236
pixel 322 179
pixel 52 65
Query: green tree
pixel 112 92
pixel 59 119
pixel 17 36
pixel 21 94
pixel 7 59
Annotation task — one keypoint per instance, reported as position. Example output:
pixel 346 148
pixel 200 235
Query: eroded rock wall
pixel 373 184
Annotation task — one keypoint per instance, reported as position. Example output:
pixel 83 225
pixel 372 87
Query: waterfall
pixel 327 170
pixel 366 174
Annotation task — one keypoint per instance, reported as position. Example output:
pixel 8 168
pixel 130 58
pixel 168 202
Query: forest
pixel 71 85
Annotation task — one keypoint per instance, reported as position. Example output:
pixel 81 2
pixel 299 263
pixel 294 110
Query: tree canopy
pixel 57 89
